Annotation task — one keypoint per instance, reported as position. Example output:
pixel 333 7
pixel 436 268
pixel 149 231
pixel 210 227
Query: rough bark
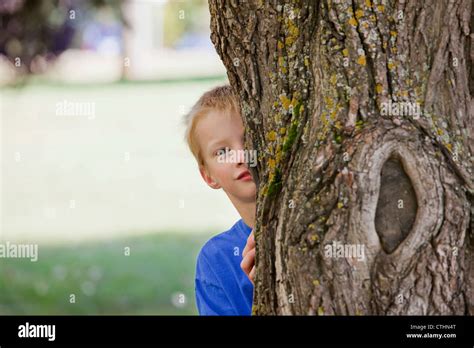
pixel 314 79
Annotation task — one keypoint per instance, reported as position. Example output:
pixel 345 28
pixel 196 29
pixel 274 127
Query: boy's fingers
pixel 250 244
pixel 248 261
pixel 252 274
pixel 251 241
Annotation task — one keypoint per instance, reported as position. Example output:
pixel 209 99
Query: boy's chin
pixel 247 195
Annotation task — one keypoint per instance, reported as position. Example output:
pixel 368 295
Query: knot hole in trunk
pixel 396 206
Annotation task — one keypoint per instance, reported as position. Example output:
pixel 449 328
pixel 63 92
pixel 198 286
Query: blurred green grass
pixel 104 280
pixel 80 159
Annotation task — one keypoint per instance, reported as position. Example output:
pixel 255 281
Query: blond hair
pixel 219 98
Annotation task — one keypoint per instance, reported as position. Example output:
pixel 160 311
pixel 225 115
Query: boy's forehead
pixel 218 123
pixel 217 126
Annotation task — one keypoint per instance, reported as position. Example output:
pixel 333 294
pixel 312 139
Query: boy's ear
pixel 208 179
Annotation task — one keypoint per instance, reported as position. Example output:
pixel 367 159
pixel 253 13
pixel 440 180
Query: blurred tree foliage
pixel 182 17
pixel 33 32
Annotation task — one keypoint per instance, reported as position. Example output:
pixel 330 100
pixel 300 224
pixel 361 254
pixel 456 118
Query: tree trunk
pixel 361 112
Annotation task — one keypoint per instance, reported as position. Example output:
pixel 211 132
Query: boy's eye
pixel 221 151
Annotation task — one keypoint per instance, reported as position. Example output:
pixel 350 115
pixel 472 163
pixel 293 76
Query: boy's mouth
pixel 245 176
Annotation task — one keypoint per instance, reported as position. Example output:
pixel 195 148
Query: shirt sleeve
pixel 211 299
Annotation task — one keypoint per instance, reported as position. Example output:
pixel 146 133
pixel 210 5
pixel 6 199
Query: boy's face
pixel 217 131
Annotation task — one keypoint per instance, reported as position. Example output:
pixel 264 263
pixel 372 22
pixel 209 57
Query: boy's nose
pixel 240 156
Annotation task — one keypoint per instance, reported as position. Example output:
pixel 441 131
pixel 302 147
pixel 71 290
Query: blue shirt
pixel 222 287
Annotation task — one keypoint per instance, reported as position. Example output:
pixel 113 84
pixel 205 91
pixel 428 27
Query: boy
pixel 224 274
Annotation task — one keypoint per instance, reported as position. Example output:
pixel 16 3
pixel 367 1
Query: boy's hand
pixel 248 255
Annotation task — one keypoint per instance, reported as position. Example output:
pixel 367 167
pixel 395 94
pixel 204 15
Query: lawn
pixel 151 280
pixel 85 188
